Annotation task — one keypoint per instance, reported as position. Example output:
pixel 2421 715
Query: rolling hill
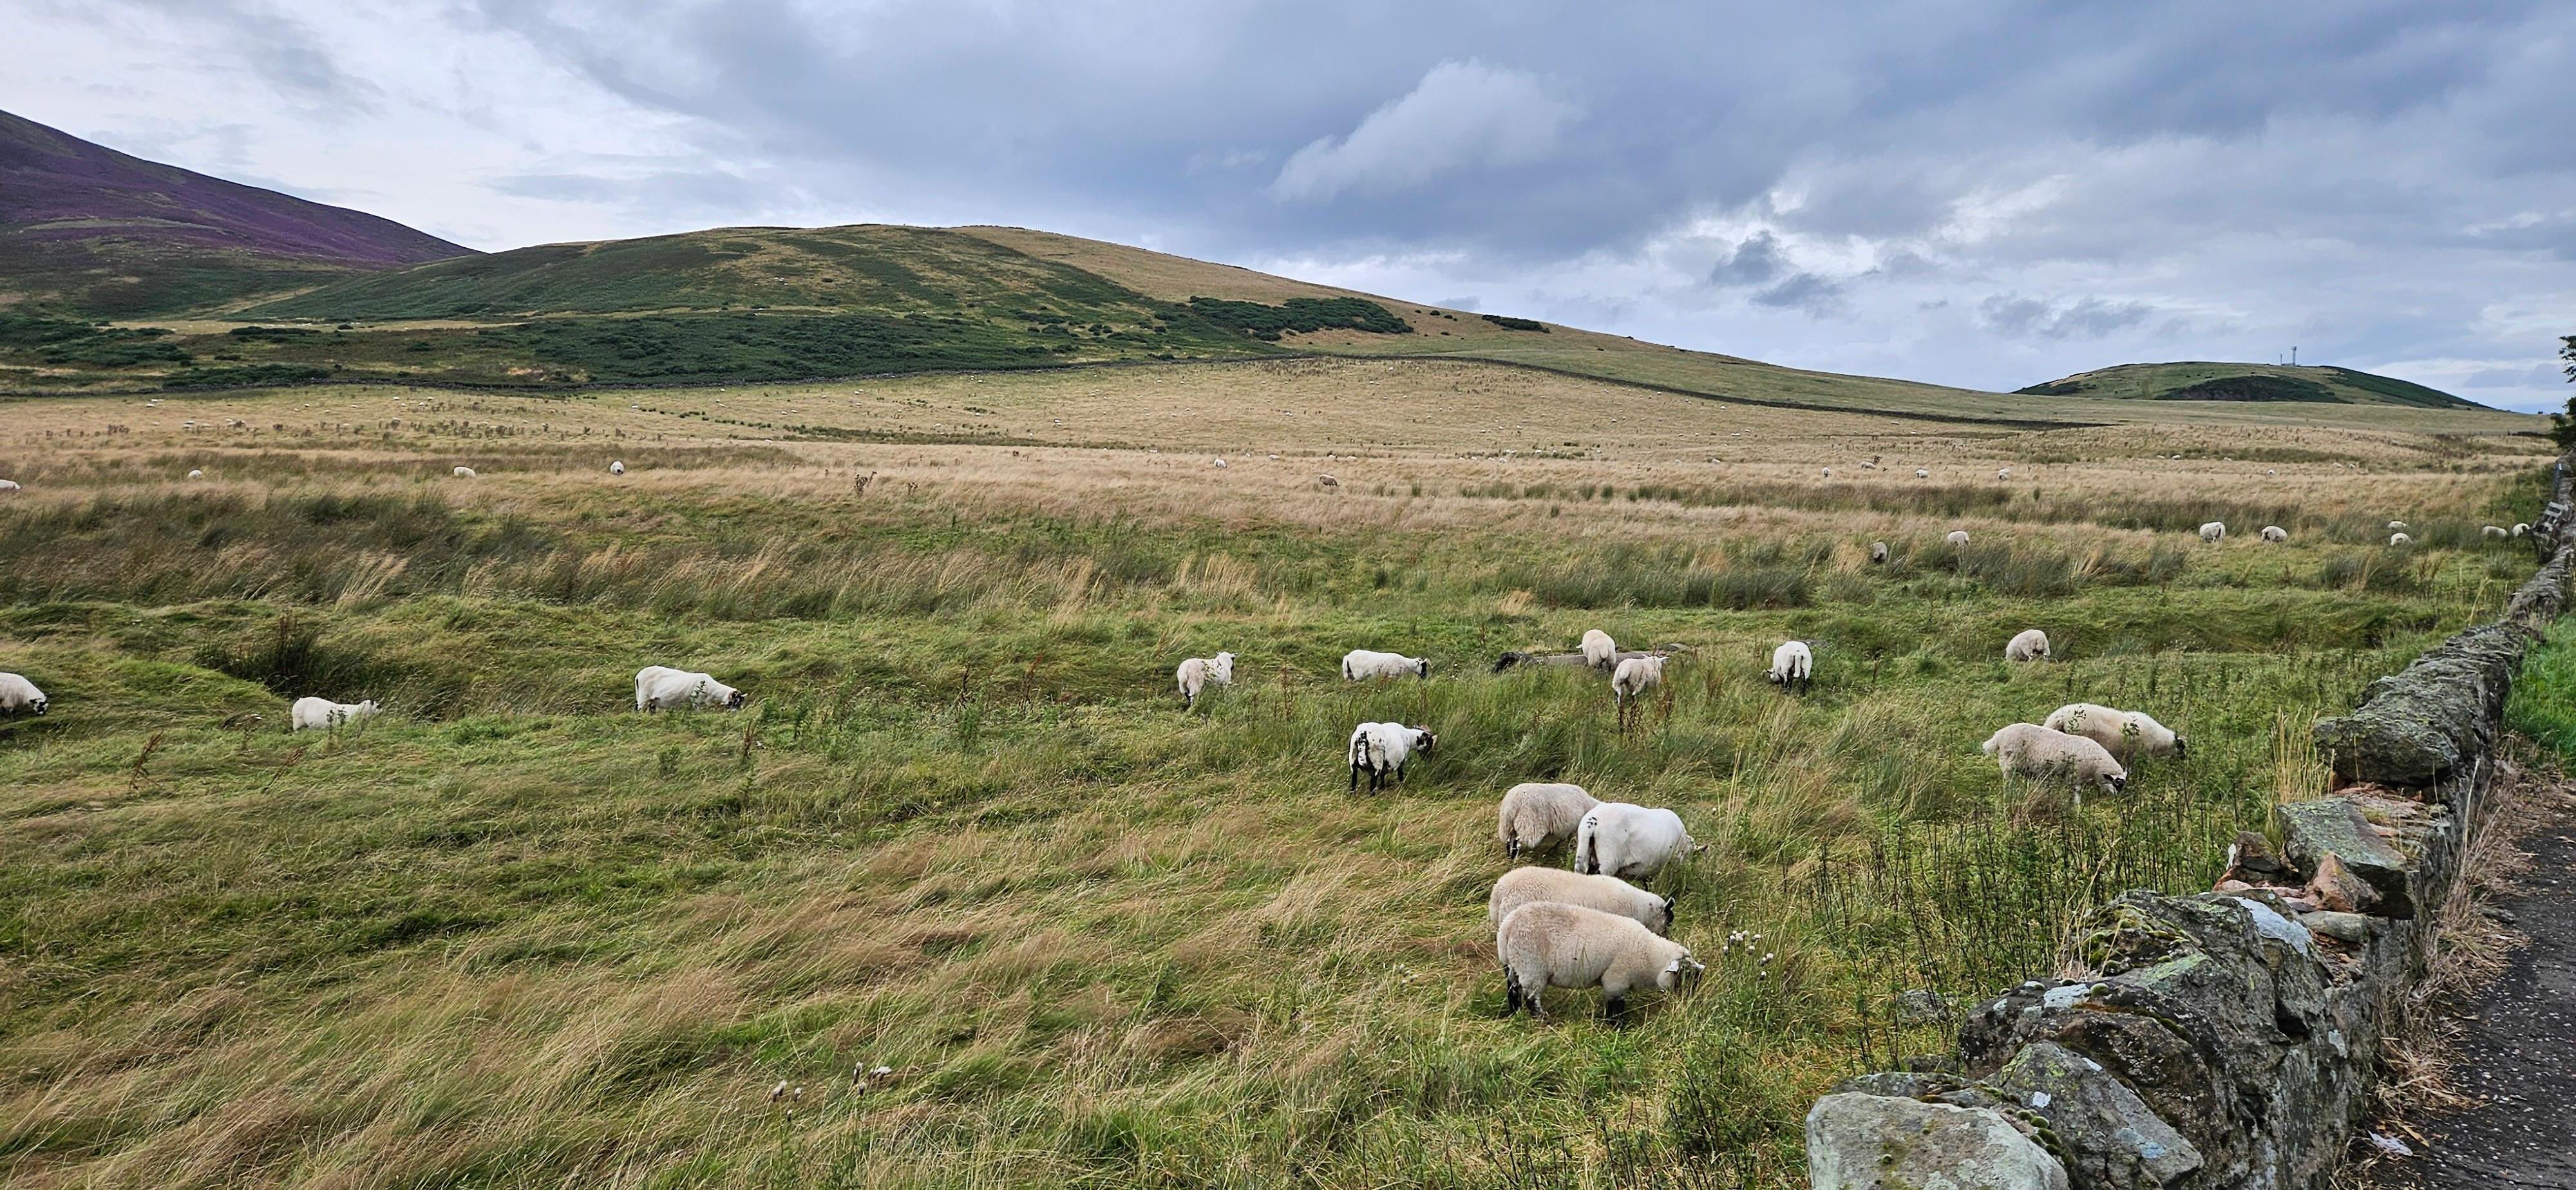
pixel 2247 382
pixel 87 230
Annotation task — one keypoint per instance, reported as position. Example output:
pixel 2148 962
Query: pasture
pixel 515 933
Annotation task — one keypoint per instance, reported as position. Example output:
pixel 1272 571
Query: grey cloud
pixel 2086 318
pixel 1462 116
pixel 1753 262
pixel 1819 296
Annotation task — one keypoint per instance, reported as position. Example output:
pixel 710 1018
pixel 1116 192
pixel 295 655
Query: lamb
pixel 2030 644
pixel 617 467
pixel 464 473
pixel 322 714
pixel 1598 648
pixel 1362 664
pixel 2400 539
pixel 1920 473
pixel 2214 531
pixel 1629 841
pixel 1198 673
pixel 1549 944
pixel 1536 814
pixel 1878 551
pixel 2124 734
pixel 2494 531
pixel 18 696
pixel 2029 750
pixel 1608 894
pixel 1957 537
pixel 2275 534
pixel 662 688
pixel 1382 750
pixel 1793 666
pixel 1634 677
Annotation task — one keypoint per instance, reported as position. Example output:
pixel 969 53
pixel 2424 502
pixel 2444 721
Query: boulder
pixel 2334 888
pixel 1858 1141
pixel 2335 827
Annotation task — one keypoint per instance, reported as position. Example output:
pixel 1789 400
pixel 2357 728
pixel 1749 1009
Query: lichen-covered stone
pixel 2336 827
pixel 2106 1134
pixel 2422 724
pixel 1859 1141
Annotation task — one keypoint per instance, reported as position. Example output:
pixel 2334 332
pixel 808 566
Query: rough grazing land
pixel 515 933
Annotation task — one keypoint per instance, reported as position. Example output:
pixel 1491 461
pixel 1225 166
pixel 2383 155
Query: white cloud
pixel 1463 115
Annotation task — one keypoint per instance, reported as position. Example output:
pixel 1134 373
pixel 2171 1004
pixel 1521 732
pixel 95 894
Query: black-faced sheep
pixel 1199 673
pixel 2032 751
pixel 1630 841
pixel 2214 531
pixel 1793 666
pixel 1598 648
pixel 1633 678
pixel 2030 644
pixel 1550 944
pixel 18 696
pixel 662 688
pixel 1359 665
pixel 1957 537
pixel 1536 814
pixel 2275 534
pixel 1383 749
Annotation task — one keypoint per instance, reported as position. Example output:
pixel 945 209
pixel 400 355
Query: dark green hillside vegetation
pixel 2247 382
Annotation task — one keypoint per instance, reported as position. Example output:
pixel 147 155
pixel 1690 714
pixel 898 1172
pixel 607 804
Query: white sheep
pixel 2005 473
pixel 2124 734
pixel 194 473
pixel 2398 526
pixel 662 688
pixel 2030 750
pixel 2521 529
pixel 1634 677
pixel 1220 462
pixel 1538 814
pixel 1362 664
pixel 1878 551
pixel 1957 538
pixel 617 467
pixel 18 696
pixel 1382 749
pixel 2214 531
pixel 1921 473
pixel 2275 534
pixel 1608 894
pixel 1829 472
pixel 1793 666
pixel 2496 531
pixel 2030 644
pixel 321 714
pixel 1629 841
pixel 1198 673
pixel 2400 539
pixel 464 473
pixel 1598 648
pixel 8 485
pixel 1328 481
pixel 1550 944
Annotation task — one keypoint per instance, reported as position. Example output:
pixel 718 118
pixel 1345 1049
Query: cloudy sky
pixel 1975 192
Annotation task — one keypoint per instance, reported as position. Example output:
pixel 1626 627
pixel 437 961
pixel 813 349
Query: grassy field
pixel 2246 382
pixel 515 933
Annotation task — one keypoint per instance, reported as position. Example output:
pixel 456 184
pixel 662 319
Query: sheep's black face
pixel 41 703
pixel 734 701
pixel 1424 740
pixel 2182 747
pixel 1664 922
pixel 1422 667
pixel 2116 783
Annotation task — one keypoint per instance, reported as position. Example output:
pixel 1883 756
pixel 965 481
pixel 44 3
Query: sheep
pixel 617 467
pixel 1608 894
pixel 2275 534
pixel 2124 734
pixel 1829 472
pixel 2030 644
pixel 18 696
pixel 2400 539
pixel 194 473
pixel 2521 529
pixel 322 714
pixel 1957 538
pixel 1383 749
pixel 2214 531
pixel 1634 677
pixel 1793 666
pixel 2397 526
pixel 2029 750
pixel 1198 673
pixel 464 473
pixel 1536 814
pixel 1921 473
pixel 1220 462
pixel 662 688
pixel 2005 473
pixel 1328 481
pixel 8 485
pixel 2497 531
pixel 1550 944
pixel 1363 664
pixel 1598 649
pixel 1629 841
pixel 1878 551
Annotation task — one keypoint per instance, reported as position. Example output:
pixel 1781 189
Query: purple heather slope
pixel 87 191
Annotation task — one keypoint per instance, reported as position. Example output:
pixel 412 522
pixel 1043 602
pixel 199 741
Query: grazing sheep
pixel 464 473
pixel 2399 526
pixel 1382 750
pixel 1957 537
pixel 2521 529
pixel 2275 534
pixel 1598 648
pixel 2214 531
pixel 1362 664
pixel 18 696
pixel 1829 472
pixel 1634 677
pixel 2030 644
pixel 1328 481
pixel 8 485
pixel 617 467
pixel 662 688
pixel 1536 814
pixel 2400 539
pixel 2497 531
pixel 322 714
pixel 2124 734
pixel 1878 551
pixel 1551 944
pixel 2005 473
pixel 1629 841
pixel 1220 462
pixel 1608 894
pixel 2029 750
pixel 1793 666
pixel 1921 473
pixel 193 473
pixel 1198 673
